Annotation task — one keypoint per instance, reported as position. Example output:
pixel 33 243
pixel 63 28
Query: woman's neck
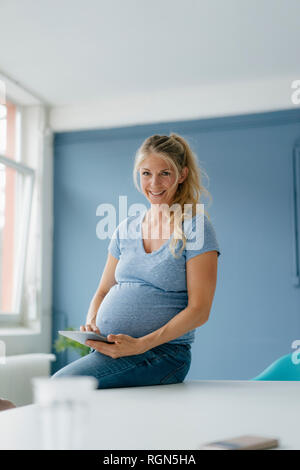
pixel 158 216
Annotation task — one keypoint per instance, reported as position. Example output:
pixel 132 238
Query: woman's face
pixel 157 178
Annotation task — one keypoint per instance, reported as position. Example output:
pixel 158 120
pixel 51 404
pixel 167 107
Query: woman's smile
pixel 157 194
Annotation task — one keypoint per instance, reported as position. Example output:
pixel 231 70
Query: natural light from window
pixel 16 182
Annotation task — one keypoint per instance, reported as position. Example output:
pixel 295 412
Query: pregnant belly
pixel 137 310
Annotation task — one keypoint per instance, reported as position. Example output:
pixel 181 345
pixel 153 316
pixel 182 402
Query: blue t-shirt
pixel 151 287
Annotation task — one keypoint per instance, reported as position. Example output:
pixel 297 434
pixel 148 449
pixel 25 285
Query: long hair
pixel 175 150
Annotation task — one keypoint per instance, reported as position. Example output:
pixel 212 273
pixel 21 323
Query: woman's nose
pixel 155 180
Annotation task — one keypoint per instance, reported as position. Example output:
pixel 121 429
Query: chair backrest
pixel 284 368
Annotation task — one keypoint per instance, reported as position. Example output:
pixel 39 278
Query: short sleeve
pixel 201 237
pixel 114 244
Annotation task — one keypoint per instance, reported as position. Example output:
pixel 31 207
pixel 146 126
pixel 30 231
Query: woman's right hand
pixel 90 326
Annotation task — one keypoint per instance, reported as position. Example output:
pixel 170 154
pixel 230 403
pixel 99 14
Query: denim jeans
pixel 168 363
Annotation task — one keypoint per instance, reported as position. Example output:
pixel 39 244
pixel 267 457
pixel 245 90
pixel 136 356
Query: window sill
pixel 18 331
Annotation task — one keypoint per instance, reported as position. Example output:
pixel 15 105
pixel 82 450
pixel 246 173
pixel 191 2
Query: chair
pixel 282 369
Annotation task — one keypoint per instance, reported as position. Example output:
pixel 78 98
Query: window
pixel 16 188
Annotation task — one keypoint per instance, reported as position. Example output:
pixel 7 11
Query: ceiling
pixel 74 52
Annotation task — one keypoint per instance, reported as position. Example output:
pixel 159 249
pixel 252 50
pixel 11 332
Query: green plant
pixel 63 343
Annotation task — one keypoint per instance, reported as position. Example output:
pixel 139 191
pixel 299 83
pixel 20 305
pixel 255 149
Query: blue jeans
pixel 164 364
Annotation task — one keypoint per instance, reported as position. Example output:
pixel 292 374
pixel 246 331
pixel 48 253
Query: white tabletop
pixel 171 417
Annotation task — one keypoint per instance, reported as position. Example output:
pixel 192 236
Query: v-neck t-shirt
pixel 151 287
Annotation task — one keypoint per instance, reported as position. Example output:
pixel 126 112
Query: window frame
pixel 29 177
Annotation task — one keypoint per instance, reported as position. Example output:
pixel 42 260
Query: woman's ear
pixel 184 174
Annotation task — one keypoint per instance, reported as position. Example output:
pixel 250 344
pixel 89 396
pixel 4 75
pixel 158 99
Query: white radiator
pixel 16 374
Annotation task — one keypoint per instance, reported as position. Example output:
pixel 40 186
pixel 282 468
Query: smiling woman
pixel 154 292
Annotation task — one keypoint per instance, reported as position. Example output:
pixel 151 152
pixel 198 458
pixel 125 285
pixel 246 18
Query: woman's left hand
pixel 124 345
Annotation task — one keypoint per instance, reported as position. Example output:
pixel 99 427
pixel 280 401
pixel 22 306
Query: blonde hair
pixel 175 150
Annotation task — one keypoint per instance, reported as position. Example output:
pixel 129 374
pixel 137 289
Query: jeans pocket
pixel 165 349
pixel 160 353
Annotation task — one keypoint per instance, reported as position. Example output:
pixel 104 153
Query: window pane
pixel 8 240
pixel 12 212
pixel 15 205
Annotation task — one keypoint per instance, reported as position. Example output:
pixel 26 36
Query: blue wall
pixel 255 315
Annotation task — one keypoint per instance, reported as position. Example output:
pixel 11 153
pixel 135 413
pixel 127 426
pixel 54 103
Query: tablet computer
pixel 82 336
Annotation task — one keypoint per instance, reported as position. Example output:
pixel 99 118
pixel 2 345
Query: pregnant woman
pixel 160 276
